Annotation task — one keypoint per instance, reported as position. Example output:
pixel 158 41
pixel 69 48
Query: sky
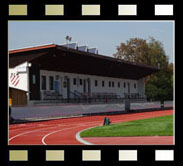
pixel 104 35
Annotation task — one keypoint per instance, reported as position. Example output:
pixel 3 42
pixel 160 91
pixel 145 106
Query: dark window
pixel 118 84
pixel 65 84
pixel 135 85
pixel 80 81
pixel 103 83
pixel 51 83
pixel 124 85
pixel 109 83
pixel 96 83
pixel 74 81
pixel 43 82
pixel 112 84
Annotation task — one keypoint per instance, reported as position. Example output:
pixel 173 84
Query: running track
pixel 63 131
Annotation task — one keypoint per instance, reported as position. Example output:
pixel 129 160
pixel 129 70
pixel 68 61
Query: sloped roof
pixel 32 48
pixel 72 60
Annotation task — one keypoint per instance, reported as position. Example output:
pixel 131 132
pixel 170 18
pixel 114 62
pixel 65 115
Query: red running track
pixel 145 140
pixel 63 131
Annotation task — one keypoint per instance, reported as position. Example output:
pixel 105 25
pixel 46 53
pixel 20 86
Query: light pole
pixel 68 39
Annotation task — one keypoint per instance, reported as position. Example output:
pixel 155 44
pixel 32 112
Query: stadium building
pixel 72 73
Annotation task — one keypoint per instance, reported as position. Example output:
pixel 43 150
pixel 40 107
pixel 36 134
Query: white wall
pixel 21 71
pixel 118 90
pixel 141 87
pixel 18 77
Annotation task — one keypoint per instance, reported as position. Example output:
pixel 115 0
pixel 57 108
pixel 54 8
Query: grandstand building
pixel 72 72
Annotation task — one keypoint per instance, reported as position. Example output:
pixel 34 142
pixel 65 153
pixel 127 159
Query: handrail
pixel 81 95
pixel 75 95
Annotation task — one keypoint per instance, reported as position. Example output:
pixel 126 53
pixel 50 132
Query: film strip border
pixel 89 9
pixel 90 155
pixel 23 10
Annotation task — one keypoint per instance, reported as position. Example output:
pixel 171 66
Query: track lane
pixel 145 140
pixel 63 131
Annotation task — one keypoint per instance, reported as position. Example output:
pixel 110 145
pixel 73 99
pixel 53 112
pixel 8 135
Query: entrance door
pixel 56 86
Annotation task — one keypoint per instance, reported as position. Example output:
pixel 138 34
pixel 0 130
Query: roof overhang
pixel 59 58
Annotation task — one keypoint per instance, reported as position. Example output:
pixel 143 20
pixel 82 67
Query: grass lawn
pixel 159 126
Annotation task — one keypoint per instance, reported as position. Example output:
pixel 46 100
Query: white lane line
pixel 27 128
pixel 43 139
pixel 28 132
pixel 54 127
pixel 22 125
pixel 44 125
pixel 48 133
pixel 10 139
pixel 62 129
pixel 78 137
pixel 35 126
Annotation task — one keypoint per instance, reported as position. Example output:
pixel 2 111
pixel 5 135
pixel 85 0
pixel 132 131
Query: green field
pixel 159 126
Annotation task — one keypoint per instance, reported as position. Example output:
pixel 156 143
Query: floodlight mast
pixel 68 39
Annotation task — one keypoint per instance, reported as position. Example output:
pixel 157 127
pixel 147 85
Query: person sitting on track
pixel 106 121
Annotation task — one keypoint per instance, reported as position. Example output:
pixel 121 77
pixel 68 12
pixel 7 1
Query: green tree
pixel 159 86
pixel 140 51
pixel 134 50
pixel 157 54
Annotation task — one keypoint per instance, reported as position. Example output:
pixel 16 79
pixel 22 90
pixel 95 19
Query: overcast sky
pixel 105 35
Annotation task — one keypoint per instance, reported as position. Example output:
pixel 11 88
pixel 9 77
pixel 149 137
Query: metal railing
pixel 133 96
pixel 75 96
pixel 80 94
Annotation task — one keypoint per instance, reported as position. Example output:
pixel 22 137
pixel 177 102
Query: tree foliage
pixel 159 86
pixel 134 50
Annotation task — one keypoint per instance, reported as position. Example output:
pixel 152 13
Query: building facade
pixel 55 72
